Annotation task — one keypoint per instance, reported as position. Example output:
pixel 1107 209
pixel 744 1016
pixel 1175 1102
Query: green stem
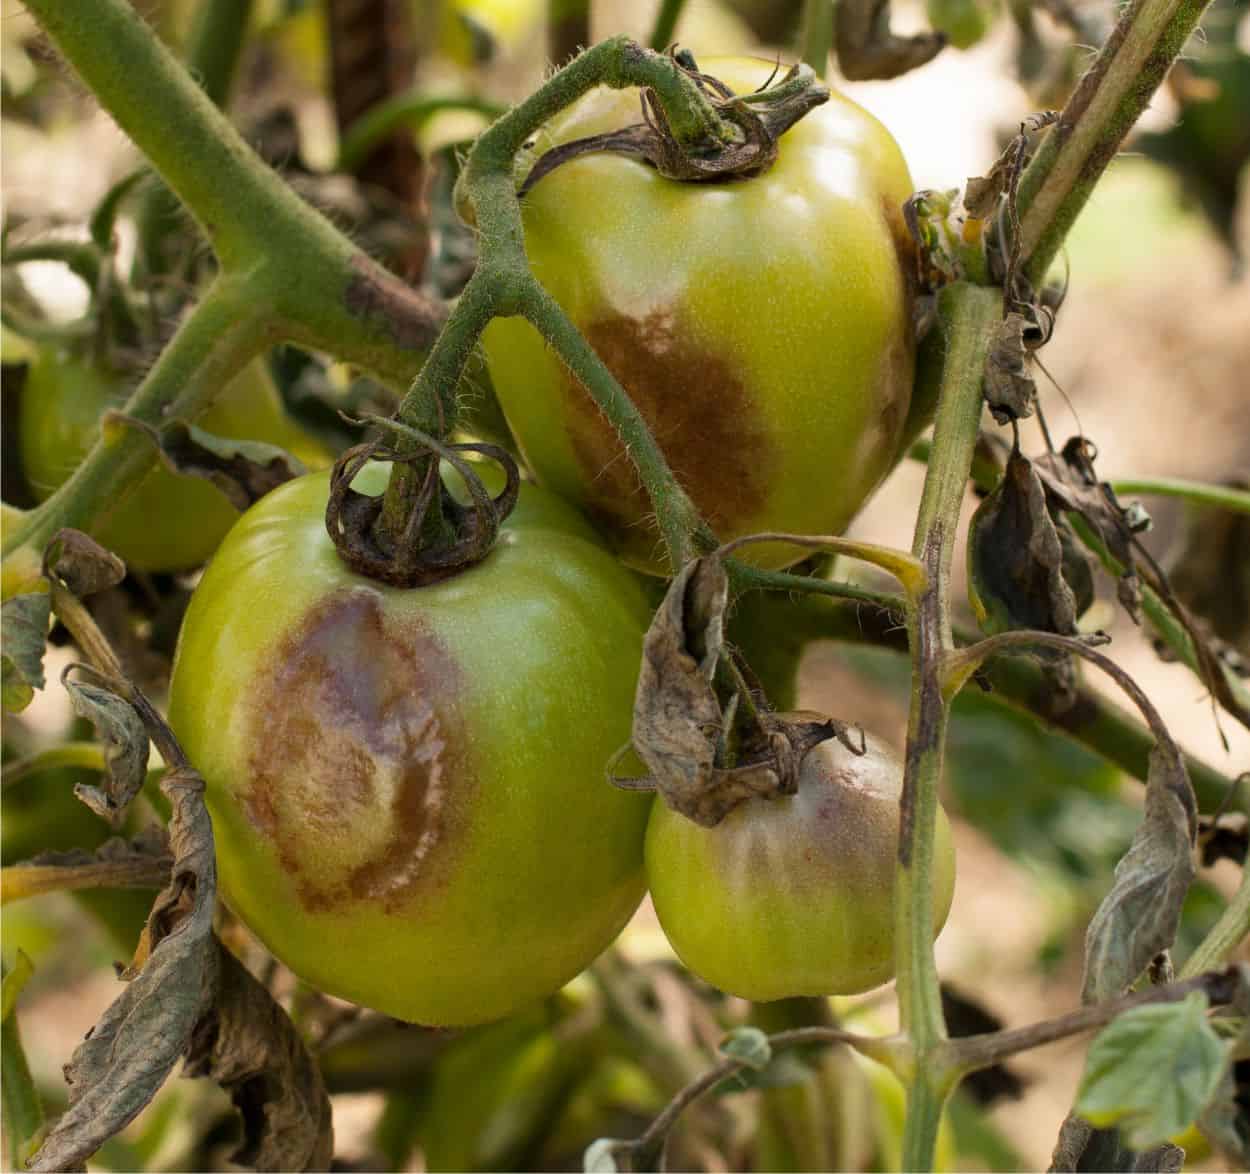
pixel 1226 935
pixel 1168 626
pixel 212 345
pixel 665 24
pixel 86 755
pixel 816 35
pixel 684 532
pixel 1198 492
pixel 1110 98
pixel 213 49
pixel 311 281
pixel 968 314
pixel 412 110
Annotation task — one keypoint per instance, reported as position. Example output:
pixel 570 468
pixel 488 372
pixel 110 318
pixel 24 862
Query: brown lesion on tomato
pixel 358 775
pixel 699 410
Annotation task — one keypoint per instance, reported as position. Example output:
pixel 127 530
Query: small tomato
pixel 793 895
pixel 407 785
pixel 167 522
pixel 762 326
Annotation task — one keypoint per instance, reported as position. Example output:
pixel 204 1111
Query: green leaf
pixel 19 1099
pixel 1152 1071
pixel 748 1045
pixel 23 632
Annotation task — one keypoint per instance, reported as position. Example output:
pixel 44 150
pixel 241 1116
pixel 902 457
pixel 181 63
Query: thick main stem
pixel 968 313
pixel 1106 104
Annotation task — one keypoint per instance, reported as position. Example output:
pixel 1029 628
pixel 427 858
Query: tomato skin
pixel 167 522
pixel 762 327
pixel 793 896
pixel 407 786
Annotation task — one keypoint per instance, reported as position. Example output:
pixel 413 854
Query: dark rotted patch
pixel 411 320
pixel 357 771
pixel 698 409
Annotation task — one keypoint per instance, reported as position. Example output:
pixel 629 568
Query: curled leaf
pixel 681 730
pixel 1139 917
pixel 23 632
pixel 125 741
pixel 79 562
pixel 129 1053
pixel 248 1045
pixel 243 470
pixel 142 863
pixel 1023 562
pixel 1009 386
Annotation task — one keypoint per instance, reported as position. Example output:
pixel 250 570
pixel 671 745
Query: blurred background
pixel 1150 359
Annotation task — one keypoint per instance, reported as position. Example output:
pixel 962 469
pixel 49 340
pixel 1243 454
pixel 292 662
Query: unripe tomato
pixel 794 895
pixel 168 522
pixel 407 785
pixel 762 326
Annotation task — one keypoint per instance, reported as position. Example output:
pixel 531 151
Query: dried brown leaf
pixel 127 1056
pixel 125 739
pixel 1139 917
pixel 248 1045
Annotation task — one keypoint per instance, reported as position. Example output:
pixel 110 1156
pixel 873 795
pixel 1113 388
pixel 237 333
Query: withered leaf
pixel 82 564
pixel 1019 562
pixel 1139 917
pixel 126 1057
pixel 125 740
pixel 1082 1147
pixel 23 633
pixel 681 729
pixel 248 1045
pixel 244 470
pixel 1009 387
pixel 142 863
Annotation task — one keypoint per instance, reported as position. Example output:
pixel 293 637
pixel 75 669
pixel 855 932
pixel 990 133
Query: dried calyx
pixel 438 536
pixel 758 120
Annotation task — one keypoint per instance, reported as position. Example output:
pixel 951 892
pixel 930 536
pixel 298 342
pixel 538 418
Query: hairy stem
pixel 816 35
pixel 1102 110
pixel 968 314
pixel 665 24
pixel 1226 935
pixel 212 345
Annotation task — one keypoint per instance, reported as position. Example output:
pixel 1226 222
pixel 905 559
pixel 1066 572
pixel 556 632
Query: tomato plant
pixel 169 522
pixel 762 327
pixel 793 895
pixel 401 776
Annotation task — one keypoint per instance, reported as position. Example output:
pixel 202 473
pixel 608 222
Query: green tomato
pixel 794 895
pixel 407 786
pixel 762 327
pixel 168 522
pixel 964 22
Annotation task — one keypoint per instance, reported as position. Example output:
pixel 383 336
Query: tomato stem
pixel 1103 108
pixel 968 315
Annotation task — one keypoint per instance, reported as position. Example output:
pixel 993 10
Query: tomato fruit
pixel 407 786
pixel 761 326
pixel 168 522
pixel 794 895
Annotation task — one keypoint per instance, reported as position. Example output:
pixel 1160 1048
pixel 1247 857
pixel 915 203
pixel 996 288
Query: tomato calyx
pixel 757 120
pixel 710 741
pixel 439 537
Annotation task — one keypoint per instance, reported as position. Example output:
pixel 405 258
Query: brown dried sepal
pixel 682 729
pixel 1009 386
pixel 352 517
pixel 81 564
pixel 753 149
